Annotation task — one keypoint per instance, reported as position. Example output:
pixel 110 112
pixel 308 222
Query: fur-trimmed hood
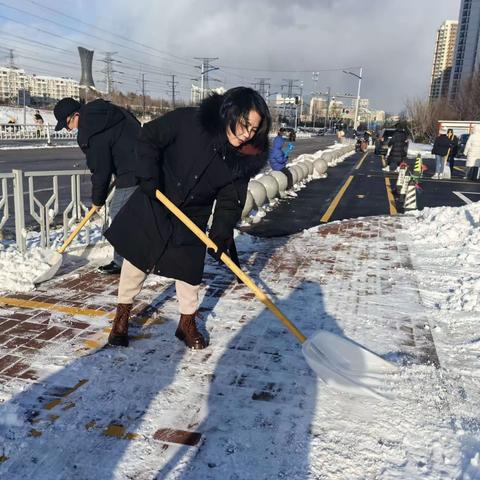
pixel 245 161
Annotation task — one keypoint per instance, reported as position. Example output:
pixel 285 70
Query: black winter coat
pixel 107 135
pixel 453 145
pixel 187 154
pixel 441 145
pixel 399 145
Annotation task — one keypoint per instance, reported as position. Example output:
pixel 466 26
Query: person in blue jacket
pixel 278 158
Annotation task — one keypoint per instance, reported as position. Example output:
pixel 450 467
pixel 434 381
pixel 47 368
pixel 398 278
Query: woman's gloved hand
pixel 149 186
pixel 223 243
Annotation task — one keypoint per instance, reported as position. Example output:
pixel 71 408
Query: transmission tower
pixel 262 85
pixel 109 71
pixel 11 59
pixel 205 68
pixel 172 84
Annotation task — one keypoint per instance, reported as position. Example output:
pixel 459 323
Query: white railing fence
pixel 64 200
pixel 13 131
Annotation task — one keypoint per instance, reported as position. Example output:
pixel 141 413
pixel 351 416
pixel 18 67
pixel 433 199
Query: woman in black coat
pixel 398 148
pixel 195 156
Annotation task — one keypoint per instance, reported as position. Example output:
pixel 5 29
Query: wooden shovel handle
pixel 69 240
pixel 232 266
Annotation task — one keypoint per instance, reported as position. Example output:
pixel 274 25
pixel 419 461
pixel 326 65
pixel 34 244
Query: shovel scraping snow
pixel 55 258
pixel 339 362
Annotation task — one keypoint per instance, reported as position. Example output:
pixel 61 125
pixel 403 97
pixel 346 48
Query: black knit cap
pixel 63 109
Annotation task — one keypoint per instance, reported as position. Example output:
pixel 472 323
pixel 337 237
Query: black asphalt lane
pixel 359 188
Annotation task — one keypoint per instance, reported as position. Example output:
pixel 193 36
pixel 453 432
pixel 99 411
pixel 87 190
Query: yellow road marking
pixel 336 200
pixel 391 199
pixel 359 164
pixel 19 302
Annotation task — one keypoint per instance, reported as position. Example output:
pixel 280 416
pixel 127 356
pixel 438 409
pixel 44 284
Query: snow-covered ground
pixel 261 412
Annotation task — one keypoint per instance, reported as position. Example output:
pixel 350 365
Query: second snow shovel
pixel 55 258
pixel 339 362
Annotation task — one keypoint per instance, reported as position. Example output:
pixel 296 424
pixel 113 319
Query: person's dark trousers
pixel 471 174
pixel 289 176
pixel 119 199
pixel 451 162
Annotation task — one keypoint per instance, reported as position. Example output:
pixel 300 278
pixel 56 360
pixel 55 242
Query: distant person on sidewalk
pixel 453 148
pixel 398 148
pixel 472 152
pixel 107 135
pixel 38 122
pixel 440 149
pixel 279 157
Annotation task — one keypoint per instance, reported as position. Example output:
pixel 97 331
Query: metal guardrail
pixel 42 212
pixel 13 131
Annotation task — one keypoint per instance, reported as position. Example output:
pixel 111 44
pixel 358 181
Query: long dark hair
pixel 237 103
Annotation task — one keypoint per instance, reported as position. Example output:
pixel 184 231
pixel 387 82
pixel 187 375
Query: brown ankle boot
pixel 119 333
pixel 188 333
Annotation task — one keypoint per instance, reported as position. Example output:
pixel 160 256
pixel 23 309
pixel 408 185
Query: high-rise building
pixel 467 49
pixel 443 59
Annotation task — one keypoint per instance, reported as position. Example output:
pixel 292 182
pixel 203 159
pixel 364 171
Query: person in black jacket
pixel 441 149
pixel 453 148
pixel 195 156
pixel 107 135
pixel 398 145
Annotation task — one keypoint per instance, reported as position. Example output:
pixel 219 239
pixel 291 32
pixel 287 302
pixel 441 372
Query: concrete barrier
pixel 320 166
pixel 271 186
pixel 294 174
pixel 299 171
pixel 304 167
pixel 309 164
pixel 281 179
pixel 259 193
pixel 249 204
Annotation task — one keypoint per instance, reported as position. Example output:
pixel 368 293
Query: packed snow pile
pixel 443 239
pixel 19 271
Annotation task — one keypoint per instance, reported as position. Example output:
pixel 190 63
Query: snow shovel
pixel 447 172
pixel 55 257
pixel 339 362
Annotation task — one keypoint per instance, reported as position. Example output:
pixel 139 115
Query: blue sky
pixel 393 40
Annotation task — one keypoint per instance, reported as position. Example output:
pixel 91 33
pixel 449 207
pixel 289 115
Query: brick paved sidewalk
pixel 342 278
pixel 63 309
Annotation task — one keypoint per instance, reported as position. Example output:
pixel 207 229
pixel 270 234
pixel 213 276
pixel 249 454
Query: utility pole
pixel 172 84
pixel 359 76
pixel 143 96
pixel 315 76
pixel 205 68
pixel 328 109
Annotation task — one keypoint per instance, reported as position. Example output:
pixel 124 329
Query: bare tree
pixel 423 116
pixel 467 101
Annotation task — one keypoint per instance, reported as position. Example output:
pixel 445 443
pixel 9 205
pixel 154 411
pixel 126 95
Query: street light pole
pixel 355 122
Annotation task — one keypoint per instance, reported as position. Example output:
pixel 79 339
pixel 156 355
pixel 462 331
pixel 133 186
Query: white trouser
pixel 131 282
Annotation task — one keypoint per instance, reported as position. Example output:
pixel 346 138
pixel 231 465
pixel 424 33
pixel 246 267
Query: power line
pixel 43 7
